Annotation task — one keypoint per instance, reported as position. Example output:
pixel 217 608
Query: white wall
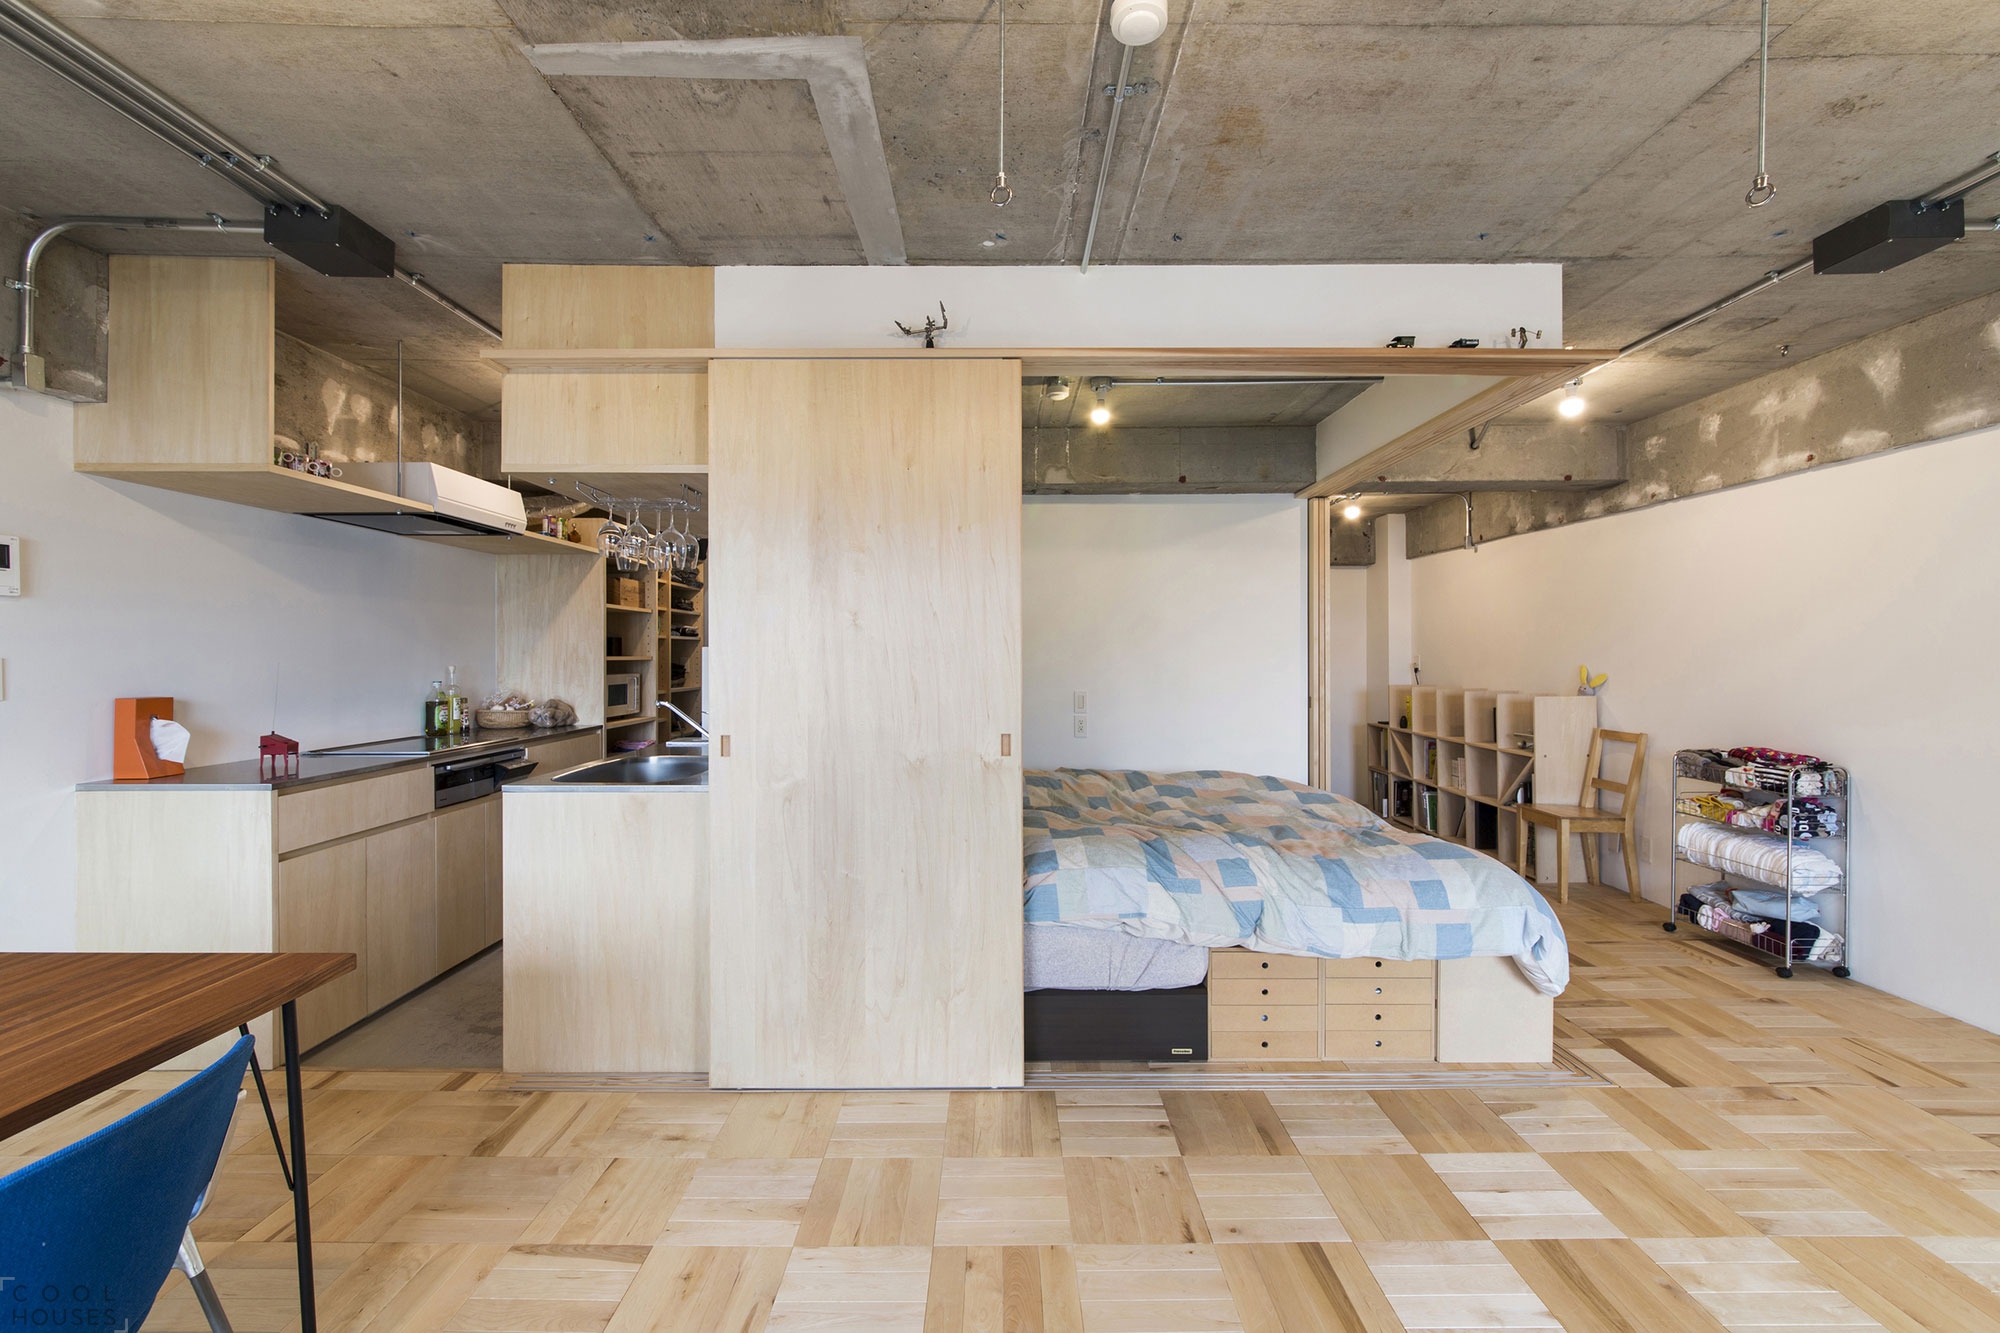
pixel 1873 646
pixel 133 591
pixel 1183 619
pixel 1138 305
pixel 1398 404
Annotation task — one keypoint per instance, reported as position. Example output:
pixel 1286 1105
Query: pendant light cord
pixel 1761 190
pixel 1001 193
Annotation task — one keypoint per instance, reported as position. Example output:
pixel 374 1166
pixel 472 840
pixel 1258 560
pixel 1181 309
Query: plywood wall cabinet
pixel 865 660
pixel 607 927
pixel 626 421
pixel 323 907
pixel 190 403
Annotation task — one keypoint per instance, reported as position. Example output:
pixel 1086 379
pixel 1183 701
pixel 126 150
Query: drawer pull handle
pixel 1378 990
pixel 1264 965
pixel 1378 962
pixel 1264 1043
pixel 1265 991
pixel 1263 1018
pixel 1378 1018
pixel 1378 1043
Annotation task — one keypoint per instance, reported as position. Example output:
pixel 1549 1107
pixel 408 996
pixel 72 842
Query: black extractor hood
pixel 411 523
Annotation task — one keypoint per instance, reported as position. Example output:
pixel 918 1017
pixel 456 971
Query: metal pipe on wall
pixel 31 257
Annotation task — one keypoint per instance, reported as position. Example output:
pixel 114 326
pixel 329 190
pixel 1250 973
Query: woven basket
pixel 501 719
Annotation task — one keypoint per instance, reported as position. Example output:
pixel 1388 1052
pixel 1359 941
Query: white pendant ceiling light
pixel 1572 403
pixel 1137 22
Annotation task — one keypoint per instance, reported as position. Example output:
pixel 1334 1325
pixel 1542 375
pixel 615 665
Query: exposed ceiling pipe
pixel 416 280
pixel 26 371
pixel 1963 186
pixel 1159 382
pixel 1104 167
pixel 73 59
pixel 76 61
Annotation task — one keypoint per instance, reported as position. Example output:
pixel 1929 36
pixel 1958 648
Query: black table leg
pixel 295 1115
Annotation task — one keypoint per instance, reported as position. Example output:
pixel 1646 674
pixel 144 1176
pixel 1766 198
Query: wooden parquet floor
pixel 1804 1154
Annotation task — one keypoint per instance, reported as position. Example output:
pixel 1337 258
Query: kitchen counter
pixel 319 768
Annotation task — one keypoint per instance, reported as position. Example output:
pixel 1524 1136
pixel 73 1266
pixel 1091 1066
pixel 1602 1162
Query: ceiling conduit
pixel 78 63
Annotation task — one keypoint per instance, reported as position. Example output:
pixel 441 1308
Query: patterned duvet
pixel 1221 859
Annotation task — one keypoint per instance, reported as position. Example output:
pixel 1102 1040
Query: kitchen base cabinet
pixel 323 908
pixel 468 879
pixel 402 911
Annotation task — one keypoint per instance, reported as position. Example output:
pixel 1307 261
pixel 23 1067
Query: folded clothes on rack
pixel 1757 856
pixel 1762 769
pixel 1810 943
pixel 1812 818
pixel 1769 904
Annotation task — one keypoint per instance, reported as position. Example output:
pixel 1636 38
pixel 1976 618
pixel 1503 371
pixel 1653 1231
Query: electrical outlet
pixel 1079 726
pixel 1079 702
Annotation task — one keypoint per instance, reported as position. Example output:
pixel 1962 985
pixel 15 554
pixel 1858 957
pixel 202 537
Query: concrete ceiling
pixel 1615 137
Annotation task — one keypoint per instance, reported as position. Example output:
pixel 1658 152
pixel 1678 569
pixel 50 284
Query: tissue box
pixel 132 756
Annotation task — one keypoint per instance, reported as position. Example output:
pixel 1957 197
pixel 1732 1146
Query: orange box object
pixel 132 757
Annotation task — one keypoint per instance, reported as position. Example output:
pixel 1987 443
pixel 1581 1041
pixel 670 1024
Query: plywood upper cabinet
pixel 865 664
pixel 189 368
pixel 568 422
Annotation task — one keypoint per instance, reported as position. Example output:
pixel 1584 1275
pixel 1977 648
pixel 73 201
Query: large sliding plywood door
pixel 865 666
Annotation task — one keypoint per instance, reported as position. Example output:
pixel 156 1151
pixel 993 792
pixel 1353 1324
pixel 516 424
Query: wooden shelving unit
pixel 1454 763
pixel 682 633
pixel 635 628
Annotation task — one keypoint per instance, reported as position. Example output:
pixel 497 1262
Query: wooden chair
pixel 1589 819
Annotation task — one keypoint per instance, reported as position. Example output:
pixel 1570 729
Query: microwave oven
pixel 621 696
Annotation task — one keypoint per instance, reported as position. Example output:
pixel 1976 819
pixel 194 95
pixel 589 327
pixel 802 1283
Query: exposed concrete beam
pixel 1475 411
pixel 836 69
pixel 1515 456
pixel 1932 378
pixel 1231 460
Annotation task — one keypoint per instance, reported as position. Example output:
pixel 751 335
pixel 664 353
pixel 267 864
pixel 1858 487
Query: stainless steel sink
pixel 633 770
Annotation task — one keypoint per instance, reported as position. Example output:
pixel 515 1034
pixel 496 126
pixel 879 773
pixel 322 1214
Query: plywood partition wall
pixel 550 630
pixel 865 664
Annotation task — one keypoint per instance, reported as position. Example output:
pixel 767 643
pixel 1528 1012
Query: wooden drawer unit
pixel 1263 1045
pixel 1388 990
pixel 1380 1017
pixel 321 814
pixel 1380 1045
pixel 565 752
pixel 1239 963
pixel 1357 968
pixel 1263 990
pixel 1270 1018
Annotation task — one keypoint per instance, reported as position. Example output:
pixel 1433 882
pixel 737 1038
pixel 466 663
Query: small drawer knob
pixel 1263 1018
pixel 1378 1018
pixel 1265 966
pixel 1264 1043
pixel 1378 990
pixel 1265 991
pixel 1378 962
pixel 1378 1041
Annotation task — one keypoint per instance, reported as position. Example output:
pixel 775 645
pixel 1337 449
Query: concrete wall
pixel 1933 377
pixel 1183 620
pixel 348 414
pixel 1846 612
pixel 1139 305
pixel 249 619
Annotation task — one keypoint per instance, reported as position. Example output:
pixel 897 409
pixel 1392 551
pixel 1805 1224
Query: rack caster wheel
pixel 1842 972
pixel 1669 926
pixel 1785 972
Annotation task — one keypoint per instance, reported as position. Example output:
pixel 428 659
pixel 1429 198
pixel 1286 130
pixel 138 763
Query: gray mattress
pixel 1086 958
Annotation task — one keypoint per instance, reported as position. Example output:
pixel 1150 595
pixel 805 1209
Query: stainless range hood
pixel 446 502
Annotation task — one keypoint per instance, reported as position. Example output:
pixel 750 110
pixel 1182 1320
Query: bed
pixel 1135 881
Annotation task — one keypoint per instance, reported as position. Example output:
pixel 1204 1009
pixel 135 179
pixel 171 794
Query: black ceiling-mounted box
pixel 335 243
pixel 1885 236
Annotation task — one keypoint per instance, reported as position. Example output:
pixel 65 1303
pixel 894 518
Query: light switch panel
pixel 1079 702
pixel 10 566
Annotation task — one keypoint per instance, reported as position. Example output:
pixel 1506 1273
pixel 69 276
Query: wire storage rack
pixel 1788 824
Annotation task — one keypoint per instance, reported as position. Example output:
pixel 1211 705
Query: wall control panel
pixel 10 566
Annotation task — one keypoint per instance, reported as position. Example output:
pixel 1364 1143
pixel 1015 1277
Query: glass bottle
pixel 435 710
pixel 455 719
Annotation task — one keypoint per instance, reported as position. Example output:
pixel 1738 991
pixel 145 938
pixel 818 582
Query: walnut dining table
pixel 73 1025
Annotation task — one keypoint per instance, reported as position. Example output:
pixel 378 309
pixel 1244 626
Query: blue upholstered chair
pixel 88 1234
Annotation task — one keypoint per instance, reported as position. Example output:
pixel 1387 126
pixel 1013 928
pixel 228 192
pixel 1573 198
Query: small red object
pixel 277 754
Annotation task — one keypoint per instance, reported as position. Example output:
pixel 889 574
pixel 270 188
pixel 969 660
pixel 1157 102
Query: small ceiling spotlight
pixel 1100 415
pixel 1058 390
pixel 1353 511
pixel 1572 403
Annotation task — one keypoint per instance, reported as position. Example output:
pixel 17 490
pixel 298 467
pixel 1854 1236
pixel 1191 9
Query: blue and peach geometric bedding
pixel 1229 859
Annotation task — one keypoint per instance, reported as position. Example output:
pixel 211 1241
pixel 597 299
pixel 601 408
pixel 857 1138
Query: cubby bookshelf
pixel 1454 762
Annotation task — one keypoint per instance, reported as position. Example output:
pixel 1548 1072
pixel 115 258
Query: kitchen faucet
pixel 700 730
